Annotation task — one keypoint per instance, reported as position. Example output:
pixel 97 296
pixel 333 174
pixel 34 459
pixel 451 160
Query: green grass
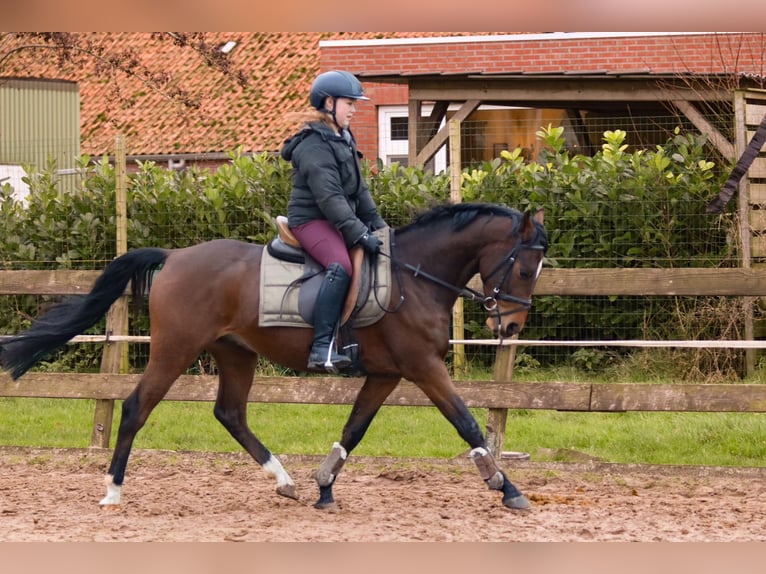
pixel 725 439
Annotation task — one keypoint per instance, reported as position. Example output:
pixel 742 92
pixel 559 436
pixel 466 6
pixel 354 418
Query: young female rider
pixel 330 207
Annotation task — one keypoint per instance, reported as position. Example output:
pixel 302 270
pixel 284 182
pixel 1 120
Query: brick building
pixel 506 86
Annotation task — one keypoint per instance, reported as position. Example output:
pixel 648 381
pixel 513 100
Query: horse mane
pixel 460 215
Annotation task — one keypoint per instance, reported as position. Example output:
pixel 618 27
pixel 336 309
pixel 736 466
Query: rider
pixel 330 207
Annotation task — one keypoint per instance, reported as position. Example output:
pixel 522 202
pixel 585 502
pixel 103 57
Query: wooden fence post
pixel 456 196
pixel 497 418
pixel 115 356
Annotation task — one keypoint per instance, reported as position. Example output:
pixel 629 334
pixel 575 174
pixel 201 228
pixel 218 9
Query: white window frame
pixel 389 149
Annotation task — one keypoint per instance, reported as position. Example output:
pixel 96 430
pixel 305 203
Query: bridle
pixel 489 302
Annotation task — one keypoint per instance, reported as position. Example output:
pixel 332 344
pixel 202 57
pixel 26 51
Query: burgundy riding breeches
pixel 321 240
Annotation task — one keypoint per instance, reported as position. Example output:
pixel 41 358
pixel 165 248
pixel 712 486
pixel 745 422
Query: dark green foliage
pixel 618 208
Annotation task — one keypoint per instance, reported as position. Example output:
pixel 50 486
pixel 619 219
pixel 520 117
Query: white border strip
pixel 502 38
pixel 714 344
pixel 705 344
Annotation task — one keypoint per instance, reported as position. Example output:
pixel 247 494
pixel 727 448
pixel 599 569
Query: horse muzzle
pixel 505 326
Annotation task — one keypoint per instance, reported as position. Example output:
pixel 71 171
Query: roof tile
pixel 279 67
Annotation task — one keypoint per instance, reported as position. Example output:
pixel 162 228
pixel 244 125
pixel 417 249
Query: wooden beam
pixel 430 149
pixel 608 281
pixel 414 108
pixel 62 282
pixel 298 390
pixel 679 397
pixel 428 128
pixel 541 91
pixel 431 125
pixel 714 136
pixel 661 282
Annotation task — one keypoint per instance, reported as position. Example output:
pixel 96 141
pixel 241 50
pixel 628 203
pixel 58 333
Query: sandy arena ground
pixel 53 494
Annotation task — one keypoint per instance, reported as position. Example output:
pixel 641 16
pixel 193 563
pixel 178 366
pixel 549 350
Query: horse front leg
pixel 439 388
pixel 369 400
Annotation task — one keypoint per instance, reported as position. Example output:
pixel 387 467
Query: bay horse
pixel 206 298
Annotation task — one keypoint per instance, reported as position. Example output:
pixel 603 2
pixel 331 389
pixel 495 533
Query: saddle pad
pixel 281 282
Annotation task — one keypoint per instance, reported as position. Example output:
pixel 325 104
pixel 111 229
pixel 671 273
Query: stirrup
pixel 332 362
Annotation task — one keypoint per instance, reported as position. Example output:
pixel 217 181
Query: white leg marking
pixel 112 492
pixel 274 468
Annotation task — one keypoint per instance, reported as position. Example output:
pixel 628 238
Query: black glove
pixel 369 243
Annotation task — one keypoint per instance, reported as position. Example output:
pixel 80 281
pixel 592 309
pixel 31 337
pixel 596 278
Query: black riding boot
pixel 329 304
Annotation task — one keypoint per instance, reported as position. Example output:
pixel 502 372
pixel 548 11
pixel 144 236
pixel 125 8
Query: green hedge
pixel 620 207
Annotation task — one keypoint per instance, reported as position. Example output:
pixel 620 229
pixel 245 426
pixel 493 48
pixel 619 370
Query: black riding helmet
pixel 337 84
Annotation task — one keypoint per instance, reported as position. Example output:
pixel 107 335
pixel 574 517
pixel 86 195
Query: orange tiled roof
pixel 279 66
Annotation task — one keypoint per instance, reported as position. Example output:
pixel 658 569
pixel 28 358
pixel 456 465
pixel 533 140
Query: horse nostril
pixel 512 329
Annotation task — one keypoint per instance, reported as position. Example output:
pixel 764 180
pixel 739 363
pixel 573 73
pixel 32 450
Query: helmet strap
pixel 332 111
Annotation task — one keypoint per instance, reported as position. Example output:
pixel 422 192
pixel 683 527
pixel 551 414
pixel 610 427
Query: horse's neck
pixel 452 257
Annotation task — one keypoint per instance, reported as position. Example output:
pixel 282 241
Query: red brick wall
pixel 704 54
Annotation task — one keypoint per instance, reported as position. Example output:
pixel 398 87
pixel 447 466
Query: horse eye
pixel 531 275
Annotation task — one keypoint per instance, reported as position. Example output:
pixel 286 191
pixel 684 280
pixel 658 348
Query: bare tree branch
pixel 79 50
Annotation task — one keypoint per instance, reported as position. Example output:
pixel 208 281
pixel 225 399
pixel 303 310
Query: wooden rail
pixel 498 396
pixel 561 396
pixel 565 282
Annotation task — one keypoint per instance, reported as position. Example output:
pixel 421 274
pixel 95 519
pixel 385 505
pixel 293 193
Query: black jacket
pixel 328 182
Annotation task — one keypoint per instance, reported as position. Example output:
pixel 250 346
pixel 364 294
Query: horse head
pixel 509 268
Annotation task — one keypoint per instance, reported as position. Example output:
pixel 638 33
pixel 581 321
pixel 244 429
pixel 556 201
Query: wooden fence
pixel 498 395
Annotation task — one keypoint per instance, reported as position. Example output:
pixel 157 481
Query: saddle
pixel 290 281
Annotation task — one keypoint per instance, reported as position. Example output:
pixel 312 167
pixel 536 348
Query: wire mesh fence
pixel 680 239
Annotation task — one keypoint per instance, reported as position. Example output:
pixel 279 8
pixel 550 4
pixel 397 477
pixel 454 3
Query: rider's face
pixel 345 108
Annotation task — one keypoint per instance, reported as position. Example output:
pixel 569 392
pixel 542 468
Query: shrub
pixel 640 208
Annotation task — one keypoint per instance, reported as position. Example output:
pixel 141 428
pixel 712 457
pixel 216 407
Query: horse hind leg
pixel 135 411
pixel 236 367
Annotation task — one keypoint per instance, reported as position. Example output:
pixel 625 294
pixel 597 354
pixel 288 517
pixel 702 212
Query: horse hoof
pixel 288 490
pixel 518 503
pixel 327 506
pixel 111 507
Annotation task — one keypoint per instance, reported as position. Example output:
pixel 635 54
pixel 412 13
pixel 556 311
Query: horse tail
pixel 76 314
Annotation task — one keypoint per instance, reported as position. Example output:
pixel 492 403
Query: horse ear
pixel 527 226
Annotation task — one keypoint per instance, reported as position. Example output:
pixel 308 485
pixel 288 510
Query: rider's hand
pixel 369 243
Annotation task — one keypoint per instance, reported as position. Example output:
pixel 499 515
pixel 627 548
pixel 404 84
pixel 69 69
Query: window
pixel 393 142
pixel 399 127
